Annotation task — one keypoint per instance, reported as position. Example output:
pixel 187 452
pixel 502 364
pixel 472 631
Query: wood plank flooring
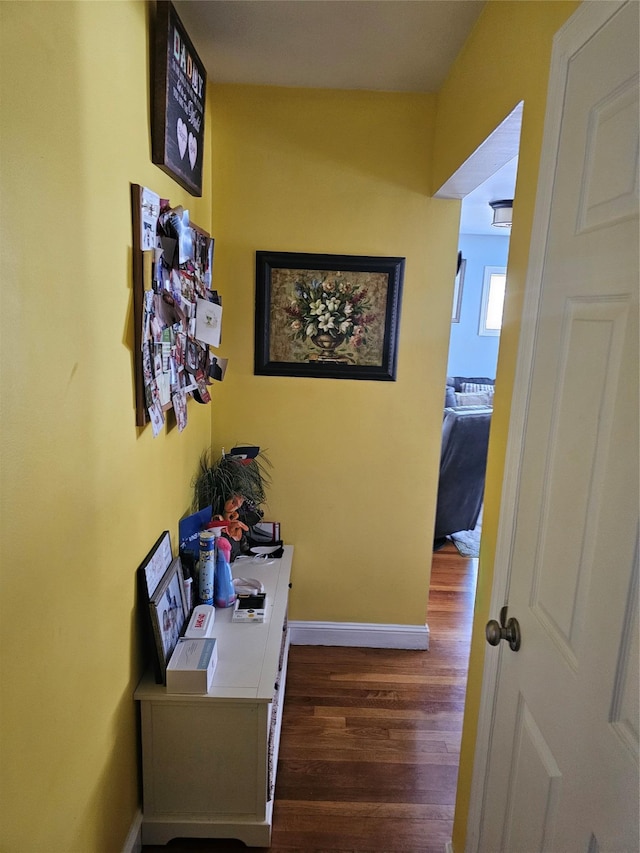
pixel 371 738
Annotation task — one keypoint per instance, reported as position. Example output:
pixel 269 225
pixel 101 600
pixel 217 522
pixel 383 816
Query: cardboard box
pixel 192 664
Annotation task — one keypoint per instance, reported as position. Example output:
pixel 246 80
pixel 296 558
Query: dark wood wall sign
pixel 179 89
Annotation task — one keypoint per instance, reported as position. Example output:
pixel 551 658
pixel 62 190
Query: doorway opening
pixel 474 341
pixel 487 177
pixel 471 184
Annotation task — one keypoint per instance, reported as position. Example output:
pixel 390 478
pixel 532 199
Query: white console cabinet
pixel 209 761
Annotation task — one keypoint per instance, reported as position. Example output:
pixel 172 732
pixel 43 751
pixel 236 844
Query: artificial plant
pixel 234 488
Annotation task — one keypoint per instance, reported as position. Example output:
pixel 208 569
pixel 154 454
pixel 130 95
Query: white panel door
pixel 562 767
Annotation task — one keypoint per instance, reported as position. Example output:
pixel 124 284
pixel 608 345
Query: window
pixel 493 286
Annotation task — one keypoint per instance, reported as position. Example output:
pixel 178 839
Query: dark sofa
pixel 463 458
pixel 457 385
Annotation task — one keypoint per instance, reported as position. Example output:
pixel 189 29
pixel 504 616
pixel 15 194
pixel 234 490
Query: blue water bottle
pixel 206 569
pixel 224 591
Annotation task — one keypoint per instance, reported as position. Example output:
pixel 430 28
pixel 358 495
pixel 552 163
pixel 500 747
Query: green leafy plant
pixel 222 479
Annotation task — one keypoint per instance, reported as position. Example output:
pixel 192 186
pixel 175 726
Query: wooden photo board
pixel 177 315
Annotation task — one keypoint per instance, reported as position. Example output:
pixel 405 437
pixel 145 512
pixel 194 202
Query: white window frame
pixel 484 304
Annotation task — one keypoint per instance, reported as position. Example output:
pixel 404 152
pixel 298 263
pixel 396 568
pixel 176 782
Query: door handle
pixel 508 630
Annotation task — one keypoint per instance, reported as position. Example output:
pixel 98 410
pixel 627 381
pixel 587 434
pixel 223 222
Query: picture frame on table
pixel 155 564
pixel 168 610
pixel 327 316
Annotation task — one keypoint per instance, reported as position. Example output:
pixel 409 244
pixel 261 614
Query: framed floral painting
pixel 328 316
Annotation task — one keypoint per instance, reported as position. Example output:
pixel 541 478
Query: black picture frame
pixel 155 564
pixel 169 612
pixel 179 84
pixel 457 291
pixel 327 316
pixel 150 574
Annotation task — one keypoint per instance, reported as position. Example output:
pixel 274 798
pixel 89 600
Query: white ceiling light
pixel 502 211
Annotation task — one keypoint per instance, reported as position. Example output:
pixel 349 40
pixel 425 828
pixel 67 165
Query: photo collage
pixel 181 313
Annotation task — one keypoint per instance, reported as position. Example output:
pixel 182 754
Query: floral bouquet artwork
pixel 325 320
pixel 328 316
pixel 329 310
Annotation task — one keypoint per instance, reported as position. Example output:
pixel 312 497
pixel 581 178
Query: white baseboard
pixel 133 841
pixel 448 847
pixel 359 635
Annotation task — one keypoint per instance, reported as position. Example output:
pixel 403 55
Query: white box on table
pixel 192 664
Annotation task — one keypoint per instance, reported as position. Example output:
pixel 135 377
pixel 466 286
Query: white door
pixel 561 746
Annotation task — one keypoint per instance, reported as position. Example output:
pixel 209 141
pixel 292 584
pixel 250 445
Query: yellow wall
pixel 505 60
pixel 354 462
pixel 84 493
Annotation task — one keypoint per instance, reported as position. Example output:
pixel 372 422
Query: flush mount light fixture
pixel 502 211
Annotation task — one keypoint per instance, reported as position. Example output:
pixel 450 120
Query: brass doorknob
pixel 508 630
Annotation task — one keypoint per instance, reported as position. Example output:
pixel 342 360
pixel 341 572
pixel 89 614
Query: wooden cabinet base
pixel 253 834
pixel 209 761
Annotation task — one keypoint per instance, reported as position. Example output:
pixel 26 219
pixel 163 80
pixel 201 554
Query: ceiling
pixel 476 214
pixel 391 45
pixel 383 45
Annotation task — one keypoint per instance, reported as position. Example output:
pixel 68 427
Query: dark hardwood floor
pixel 371 738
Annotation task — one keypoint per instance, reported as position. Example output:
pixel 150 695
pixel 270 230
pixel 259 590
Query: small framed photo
pixel 168 608
pixel 155 564
pixel 327 316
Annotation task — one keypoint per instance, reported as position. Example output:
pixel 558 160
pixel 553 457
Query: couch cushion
pixel 477 386
pixel 457 381
pixel 479 398
pixel 449 396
